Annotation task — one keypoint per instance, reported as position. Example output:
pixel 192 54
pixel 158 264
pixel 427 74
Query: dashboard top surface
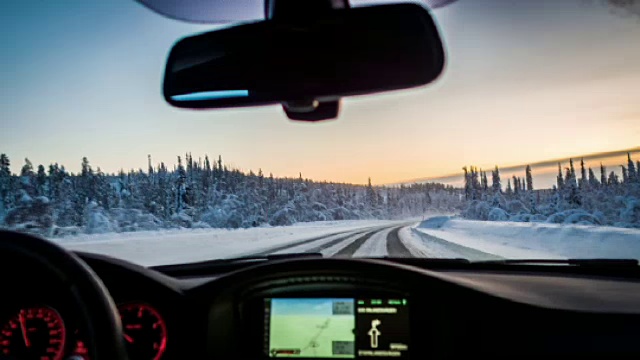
pixel 560 290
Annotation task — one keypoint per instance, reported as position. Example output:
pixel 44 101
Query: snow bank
pixel 536 240
pixel 163 247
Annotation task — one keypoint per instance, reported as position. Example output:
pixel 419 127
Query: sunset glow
pixel 526 81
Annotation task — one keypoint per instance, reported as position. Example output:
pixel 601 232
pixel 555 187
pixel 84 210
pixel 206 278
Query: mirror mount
pixel 293 10
pixel 313 110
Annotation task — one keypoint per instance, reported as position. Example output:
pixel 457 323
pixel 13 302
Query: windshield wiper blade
pixel 571 262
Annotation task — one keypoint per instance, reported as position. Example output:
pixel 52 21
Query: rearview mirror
pixel 345 52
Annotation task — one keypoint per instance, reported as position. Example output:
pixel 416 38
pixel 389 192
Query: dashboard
pixel 333 308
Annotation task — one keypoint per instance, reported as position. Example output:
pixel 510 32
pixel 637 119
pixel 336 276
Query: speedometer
pixel 145 331
pixel 33 333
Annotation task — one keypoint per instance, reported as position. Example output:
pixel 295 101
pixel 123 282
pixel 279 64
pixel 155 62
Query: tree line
pixel 194 194
pixel 577 197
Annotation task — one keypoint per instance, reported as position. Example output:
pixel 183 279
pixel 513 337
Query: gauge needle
pixel 23 327
pixel 128 338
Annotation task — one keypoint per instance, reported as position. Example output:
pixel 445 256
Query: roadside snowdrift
pixel 536 240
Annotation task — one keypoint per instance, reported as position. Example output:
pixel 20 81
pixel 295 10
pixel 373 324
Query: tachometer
pixel 34 333
pixel 145 331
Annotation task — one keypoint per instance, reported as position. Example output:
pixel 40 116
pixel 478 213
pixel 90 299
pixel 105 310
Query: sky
pixel 545 173
pixel 525 81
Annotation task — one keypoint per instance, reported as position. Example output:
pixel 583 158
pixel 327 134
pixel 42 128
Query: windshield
pixel 526 146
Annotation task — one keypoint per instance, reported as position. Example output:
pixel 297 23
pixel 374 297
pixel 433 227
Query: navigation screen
pixel 336 328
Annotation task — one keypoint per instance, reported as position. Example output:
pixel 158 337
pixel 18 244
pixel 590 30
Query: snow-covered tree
pixel 485 182
pixel 560 179
pixel 41 181
pixel 583 174
pixel 603 175
pixel 631 168
pixel 587 201
pixel 529 178
pixel 570 176
pixel 28 178
pixel 27 168
pixel 593 181
pixel 496 184
pixel 5 184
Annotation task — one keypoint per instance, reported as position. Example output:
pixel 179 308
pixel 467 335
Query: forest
pixel 577 198
pixel 194 193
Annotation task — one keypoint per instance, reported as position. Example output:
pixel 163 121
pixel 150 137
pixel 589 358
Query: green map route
pixel 311 328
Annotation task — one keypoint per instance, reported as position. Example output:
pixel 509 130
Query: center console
pixel 325 318
pixel 336 327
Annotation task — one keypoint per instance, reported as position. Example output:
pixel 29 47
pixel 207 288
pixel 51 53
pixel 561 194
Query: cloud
pixel 539 164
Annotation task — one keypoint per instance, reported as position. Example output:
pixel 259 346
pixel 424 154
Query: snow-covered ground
pixel 437 237
pixel 528 240
pixel 150 248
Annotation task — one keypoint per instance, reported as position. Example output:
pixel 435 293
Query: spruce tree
pixel 27 168
pixel 41 181
pixel 583 174
pixel 467 183
pixel 631 168
pixel 495 181
pixel 28 181
pixel 5 183
pixel 593 181
pixel 560 179
pixel 485 182
pixel 573 170
pixel 603 175
pixel 529 178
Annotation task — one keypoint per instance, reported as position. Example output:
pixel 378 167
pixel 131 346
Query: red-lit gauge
pixel 33 333
pixel 145 331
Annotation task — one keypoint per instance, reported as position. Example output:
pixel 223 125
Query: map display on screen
pixel 312 328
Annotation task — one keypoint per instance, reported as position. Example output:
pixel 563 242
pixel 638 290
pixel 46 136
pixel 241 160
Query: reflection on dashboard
pixel 145 331
pixel 33 333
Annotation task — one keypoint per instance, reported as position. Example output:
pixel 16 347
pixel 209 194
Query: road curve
pixel 379 241
pixel 395 247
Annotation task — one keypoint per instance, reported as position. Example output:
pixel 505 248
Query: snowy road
pixel 331 239
pixel 392 241
pixel 437 237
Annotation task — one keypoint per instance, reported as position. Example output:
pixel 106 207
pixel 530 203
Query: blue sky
pixel 525 81
pixel 309 307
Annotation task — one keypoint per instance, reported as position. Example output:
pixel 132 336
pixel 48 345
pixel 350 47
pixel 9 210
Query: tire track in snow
pixel 350 249
pixel 334 242
pixel 299 246
pixel 375 246
pixel 335 248
pixel 395 247
pixel 301 242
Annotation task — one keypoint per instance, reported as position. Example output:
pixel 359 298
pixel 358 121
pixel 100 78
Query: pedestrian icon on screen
pixel 374 333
